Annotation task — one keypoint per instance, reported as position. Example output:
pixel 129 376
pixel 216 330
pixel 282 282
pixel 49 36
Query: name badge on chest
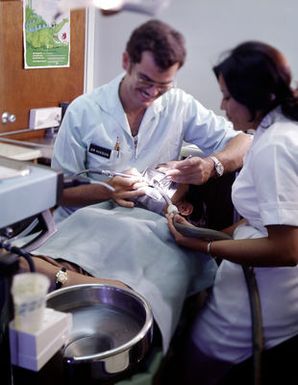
pixel 101 151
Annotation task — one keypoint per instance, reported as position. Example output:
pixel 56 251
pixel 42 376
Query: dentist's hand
pixel 193 170
pixel 127 189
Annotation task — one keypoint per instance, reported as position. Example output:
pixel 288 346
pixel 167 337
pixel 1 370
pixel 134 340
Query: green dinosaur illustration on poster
pixel 45 44
pixel 44 36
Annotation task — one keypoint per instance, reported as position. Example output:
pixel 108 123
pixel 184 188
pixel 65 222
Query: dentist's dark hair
pixel 165 43
pixel 258 76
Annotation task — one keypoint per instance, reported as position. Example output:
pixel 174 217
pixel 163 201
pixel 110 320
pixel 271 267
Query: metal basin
pixel 112 331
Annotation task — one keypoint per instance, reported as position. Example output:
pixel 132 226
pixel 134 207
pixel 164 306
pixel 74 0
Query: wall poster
pixel 46 35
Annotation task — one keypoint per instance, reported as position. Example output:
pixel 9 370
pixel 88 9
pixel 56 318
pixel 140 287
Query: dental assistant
pixel 255 81
pixel 139 120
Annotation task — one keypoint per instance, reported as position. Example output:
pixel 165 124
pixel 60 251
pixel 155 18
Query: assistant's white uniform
pixel 264 193
pixel 95 125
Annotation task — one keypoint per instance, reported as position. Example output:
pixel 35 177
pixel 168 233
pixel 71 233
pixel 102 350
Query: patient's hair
pixel 165 43
pixel 257 75
pixel 191 196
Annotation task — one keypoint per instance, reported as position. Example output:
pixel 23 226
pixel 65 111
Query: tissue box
pixel 45 117
pixel 33 350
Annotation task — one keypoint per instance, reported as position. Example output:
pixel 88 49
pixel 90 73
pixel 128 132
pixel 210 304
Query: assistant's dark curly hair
pixel 165 43
pixel 258 76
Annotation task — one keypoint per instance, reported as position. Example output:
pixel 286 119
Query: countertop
pixel 19 152
pixel 27 150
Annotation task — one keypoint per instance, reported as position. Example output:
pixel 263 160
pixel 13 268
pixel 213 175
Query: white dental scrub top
pixel 95 132
pixel 265 193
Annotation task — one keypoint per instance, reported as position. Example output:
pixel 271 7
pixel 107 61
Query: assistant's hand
pixel 127 189
pixel 193 170
pixel 182 240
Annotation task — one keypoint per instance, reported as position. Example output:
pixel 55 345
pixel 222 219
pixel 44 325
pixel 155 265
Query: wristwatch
pixel 61 277
pixel 218 166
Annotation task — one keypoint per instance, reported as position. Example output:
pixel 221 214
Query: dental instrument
pixel 171 209
pixel 76 180
pixel 156 184
pixel 108 173
pixel 169 176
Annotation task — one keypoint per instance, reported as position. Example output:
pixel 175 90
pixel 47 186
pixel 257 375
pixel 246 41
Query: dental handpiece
pixel 111 174
pixel 108 173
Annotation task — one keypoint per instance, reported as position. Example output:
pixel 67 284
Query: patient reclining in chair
pixel 107 243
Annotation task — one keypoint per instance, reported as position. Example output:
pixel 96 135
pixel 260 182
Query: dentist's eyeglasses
pixel 144 82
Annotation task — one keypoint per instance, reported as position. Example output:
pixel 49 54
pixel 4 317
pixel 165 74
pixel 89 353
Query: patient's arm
pixel 74 278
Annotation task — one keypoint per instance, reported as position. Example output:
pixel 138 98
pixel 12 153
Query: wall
pixel 210 27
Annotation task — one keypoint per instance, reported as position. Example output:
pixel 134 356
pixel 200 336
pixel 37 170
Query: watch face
pixel 219 168
pixel 61 276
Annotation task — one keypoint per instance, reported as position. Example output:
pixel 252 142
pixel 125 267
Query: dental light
pixel 148 7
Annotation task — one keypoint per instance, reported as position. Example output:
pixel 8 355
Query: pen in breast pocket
pixel 117 146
